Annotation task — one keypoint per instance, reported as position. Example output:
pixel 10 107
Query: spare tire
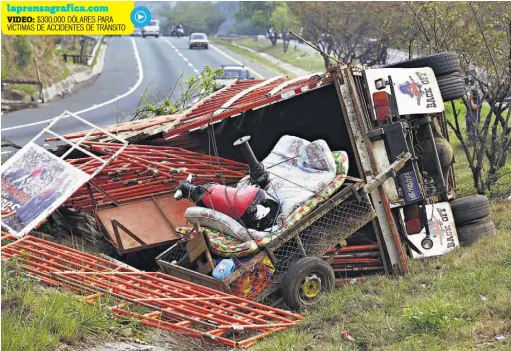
pixel 471 232
pixel 442 64
pixel 469 209
pixel 452 86
pixel 305 281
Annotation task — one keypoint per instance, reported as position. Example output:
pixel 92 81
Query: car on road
pixel 152 29
pixel 231 73
pixel 198 40
pixel 137 32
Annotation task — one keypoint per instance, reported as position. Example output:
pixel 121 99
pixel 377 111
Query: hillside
pixel 19 52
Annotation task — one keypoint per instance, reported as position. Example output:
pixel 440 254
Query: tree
pixel 23 51
pixel 283 21
pixel 481 34
pixel 203 17
pixel 258 12
pixel 348 31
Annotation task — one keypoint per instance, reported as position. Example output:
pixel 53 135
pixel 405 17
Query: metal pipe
pixel 257 173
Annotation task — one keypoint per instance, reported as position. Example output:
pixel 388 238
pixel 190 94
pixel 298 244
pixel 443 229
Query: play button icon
pixel 140 16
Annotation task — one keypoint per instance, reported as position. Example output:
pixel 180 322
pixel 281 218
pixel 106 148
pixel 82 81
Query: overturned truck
pixel 392 198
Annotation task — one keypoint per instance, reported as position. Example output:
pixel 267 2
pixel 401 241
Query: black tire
pixel 452 86
pixel 157 36
pixel 442 64
pixel 470 233
pixel 307 270
pixel 191 47
pixel 207 47
pixel 469 209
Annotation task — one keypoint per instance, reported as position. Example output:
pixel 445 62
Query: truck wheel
pixel 442 64
pixel 469 209
pixel 470 233
pixel 305 282
pixel 452 86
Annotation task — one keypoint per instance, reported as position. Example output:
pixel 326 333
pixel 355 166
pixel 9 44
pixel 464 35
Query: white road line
pixel 236 61
pixel 182 56
pixel 129 92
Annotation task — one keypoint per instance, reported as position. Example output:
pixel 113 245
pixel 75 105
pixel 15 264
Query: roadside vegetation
pixel 23 56
pixel 38 318
pixel 203 17
pixel 251 56
pixel 296 55
pixel 19 52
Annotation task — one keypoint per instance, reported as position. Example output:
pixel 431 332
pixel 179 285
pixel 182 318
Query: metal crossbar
pixel 174 304
pixel 78 144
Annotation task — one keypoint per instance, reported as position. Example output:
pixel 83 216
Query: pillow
pixel 223 245
pixel 206 217
pixel 226 246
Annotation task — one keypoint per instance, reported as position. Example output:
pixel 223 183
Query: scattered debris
pixel 346 335
pixel 171 303
pixel 142 172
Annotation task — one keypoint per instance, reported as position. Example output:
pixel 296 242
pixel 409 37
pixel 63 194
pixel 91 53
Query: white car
pixel 152 29
pixel 231 73
pixel 198 40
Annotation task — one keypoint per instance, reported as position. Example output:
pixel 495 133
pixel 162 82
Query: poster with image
pixel 34 184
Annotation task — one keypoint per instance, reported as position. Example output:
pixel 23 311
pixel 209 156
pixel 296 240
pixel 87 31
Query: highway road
pixel 132 66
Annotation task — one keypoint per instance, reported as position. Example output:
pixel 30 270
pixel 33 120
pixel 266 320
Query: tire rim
pixel 310 288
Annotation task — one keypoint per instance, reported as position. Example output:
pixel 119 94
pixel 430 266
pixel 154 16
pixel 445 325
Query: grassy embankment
pixel 295 56
pixel 456 302
pixel 252 57
pixel 18 54
pixel 38 318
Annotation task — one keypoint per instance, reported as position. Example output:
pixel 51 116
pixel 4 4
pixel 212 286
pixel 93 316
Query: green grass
pixel 454 302
pixel 295 55
pixel 97 53
pixel 29 89
pixel 249 55
pixel 36 318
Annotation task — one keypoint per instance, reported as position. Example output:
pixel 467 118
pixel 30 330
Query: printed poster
pixel 34 184
pixel 416 90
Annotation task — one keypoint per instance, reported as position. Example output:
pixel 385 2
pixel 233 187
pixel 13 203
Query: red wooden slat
pixel 178 305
